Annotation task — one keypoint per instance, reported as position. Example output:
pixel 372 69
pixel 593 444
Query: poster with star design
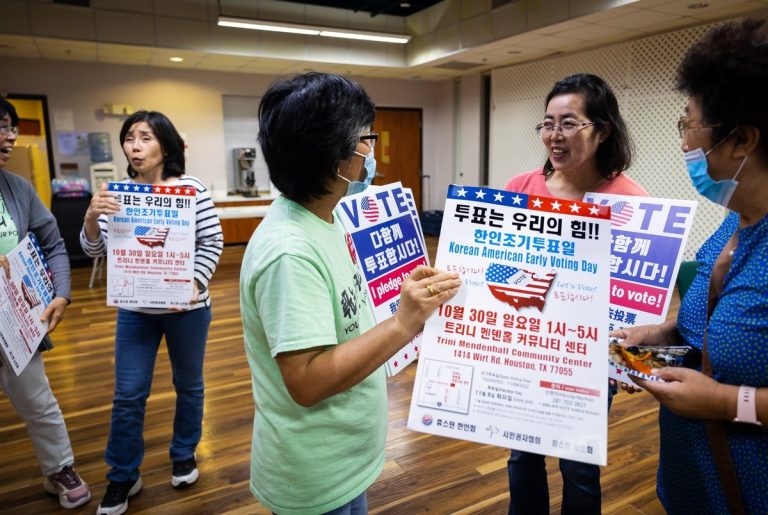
pixel 648 237
pixel 151 246
pixel 386 243
pixel 27 291
pixel 517 358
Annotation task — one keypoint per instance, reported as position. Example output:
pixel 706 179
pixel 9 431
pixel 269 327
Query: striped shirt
pixel 209 242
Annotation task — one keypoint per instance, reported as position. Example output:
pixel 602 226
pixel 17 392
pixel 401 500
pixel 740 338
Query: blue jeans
pixel 529 492
pixel 357 506
pixel 136 344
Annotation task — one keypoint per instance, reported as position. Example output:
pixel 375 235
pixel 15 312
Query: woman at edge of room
pixel 588 150
pixel 713 441
pixel 315 354
pixel 21 212
pixel 155 153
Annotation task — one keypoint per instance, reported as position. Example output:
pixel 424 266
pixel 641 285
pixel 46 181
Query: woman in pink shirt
pixel 588 149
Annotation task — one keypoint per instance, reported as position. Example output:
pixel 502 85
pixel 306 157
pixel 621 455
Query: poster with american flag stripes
pixel 648 237
pixel 386 243
pixel 151 246
pixel 517 358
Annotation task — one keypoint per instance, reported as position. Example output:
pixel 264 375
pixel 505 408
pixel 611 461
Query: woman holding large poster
pixel 315 354
pixel 588 150
pixel 21 212
pixel 155 153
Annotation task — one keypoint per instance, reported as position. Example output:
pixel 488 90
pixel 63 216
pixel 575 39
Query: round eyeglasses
pixel 566 127
pixel 5 129
pixel 684 125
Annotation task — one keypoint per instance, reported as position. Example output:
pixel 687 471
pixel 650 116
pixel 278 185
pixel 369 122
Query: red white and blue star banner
pixel 151 246
pixel 517 358
pixel 648 237
pixel 386 243
pixel 25 295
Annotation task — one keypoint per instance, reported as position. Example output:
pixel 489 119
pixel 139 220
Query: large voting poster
pixel 517 358
pixel 386 243
pixel 26 294
pixel 151 249
pixel 648 237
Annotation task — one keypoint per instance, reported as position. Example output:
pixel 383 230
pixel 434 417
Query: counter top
pixel 221 196
pixel 242 212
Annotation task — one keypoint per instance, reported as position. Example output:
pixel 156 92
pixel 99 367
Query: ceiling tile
pixel 136 6
pixel 639 20
pixel 680 7
pixel 121 27
pixel 62 22
pixel 14 18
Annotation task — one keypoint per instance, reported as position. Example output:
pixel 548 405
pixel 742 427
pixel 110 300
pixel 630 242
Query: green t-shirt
pixel 299 289
pixel 9 234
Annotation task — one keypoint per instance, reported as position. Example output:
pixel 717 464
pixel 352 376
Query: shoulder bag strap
pixel 718 441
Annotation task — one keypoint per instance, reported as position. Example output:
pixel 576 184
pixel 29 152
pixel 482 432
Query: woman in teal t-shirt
pixel 315 354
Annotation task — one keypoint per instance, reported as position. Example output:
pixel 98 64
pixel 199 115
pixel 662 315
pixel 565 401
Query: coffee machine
pixel 244 159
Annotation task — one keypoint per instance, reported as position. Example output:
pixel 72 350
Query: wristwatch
pixel 746 409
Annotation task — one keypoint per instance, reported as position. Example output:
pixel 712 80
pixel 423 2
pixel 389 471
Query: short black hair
pixel 6 108
pixel 168 137
pixel 308 124
pixel 726 71
pixel 614 155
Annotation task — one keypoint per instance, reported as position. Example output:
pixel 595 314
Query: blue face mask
pixel 719 192
pixel 370 172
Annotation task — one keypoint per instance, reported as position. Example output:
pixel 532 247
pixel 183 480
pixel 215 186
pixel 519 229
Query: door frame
pixel 47 120
pixel 421 143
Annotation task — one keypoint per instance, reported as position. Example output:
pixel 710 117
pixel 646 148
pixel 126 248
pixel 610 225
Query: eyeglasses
pixel 566 127
pixel 684 124
pixel 5 129
pixel 372 138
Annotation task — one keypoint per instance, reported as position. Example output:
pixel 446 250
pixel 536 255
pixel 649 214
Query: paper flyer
pixel 151 246
pixel 26 294
pixel 648 237
pixel 385 242
pixel 517 358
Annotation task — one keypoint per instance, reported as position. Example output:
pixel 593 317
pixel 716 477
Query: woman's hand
pixel 691 394
pixel 6 265
pixel 192 301
pixel 661 334
pixel 103 202
pixel 423 291
pixel 54 313
pixel 656 334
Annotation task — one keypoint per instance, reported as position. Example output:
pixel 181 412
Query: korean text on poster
pixel 385 242
pixel 151 249
pixel 517 358
pixel 648 237
pixel 26 294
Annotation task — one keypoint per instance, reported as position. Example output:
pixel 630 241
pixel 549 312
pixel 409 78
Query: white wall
pixel 193 101
pixel 642 75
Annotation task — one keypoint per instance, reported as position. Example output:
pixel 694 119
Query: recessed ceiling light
pixel 177 59
pixel 698 5
pixel 513 52
pixel 416 77
pixel 405 5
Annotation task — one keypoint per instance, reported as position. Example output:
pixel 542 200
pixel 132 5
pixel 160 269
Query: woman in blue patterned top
pixel 725 140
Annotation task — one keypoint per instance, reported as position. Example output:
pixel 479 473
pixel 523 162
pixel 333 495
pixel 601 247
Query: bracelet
pixel 746 408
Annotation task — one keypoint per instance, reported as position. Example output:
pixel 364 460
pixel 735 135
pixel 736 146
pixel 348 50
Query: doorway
pixel 398 151
pixel 34 126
